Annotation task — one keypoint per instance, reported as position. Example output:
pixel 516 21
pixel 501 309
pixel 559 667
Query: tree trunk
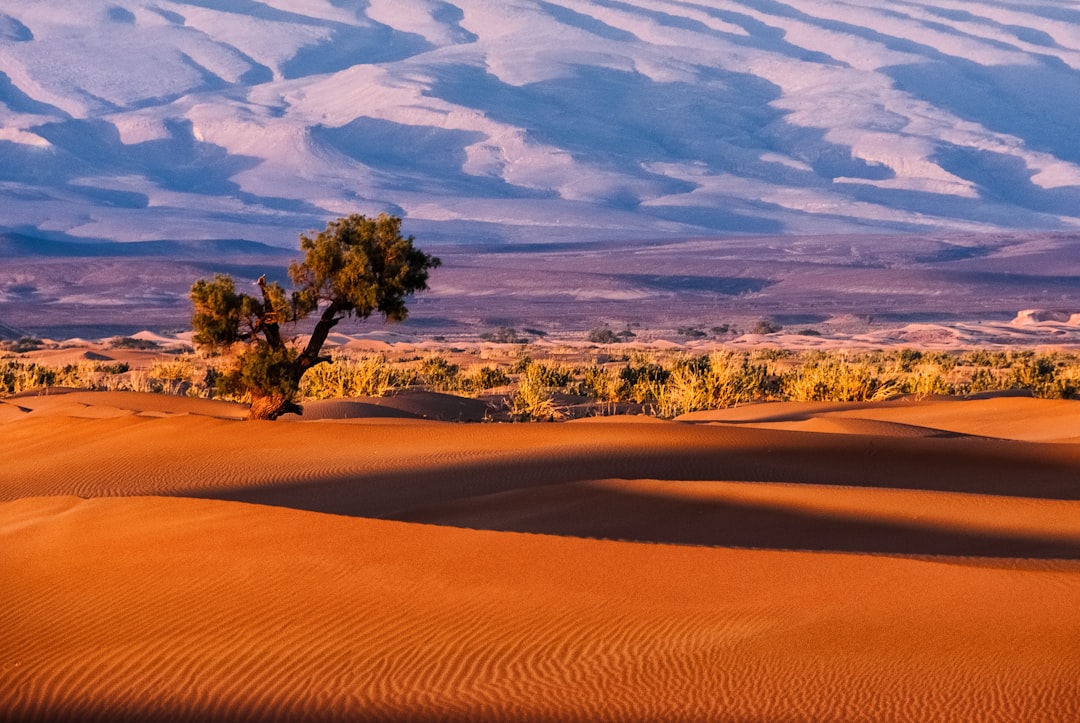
pixel 271 406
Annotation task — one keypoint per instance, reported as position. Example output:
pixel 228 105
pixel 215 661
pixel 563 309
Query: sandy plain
pixel 895 561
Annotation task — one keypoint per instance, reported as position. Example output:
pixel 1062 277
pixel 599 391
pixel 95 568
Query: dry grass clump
pixel 831 377
pixel 369 375
pixel 721 379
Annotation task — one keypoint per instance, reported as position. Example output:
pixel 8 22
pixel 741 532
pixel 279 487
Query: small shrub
pixel 480 378
pixel 765 326
pixel 600 383
pixel 602 335
pixel 533 401
pixel 504 335
pixel 691 332
pixel 722 379
pixel 16 377
pixel 832 378
pixel 370 375
pixel 439 374
pixel 641 380
pixel 128 342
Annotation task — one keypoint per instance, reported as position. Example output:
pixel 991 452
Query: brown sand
pixel 162 559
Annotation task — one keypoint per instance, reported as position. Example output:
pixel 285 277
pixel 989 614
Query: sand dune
pixel 894 561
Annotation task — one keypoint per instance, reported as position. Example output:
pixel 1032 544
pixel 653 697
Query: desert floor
pixel 897 561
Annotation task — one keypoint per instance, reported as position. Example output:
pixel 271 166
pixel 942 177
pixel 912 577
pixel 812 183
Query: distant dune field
pixel 893 562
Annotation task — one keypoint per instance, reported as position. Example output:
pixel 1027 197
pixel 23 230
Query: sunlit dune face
pixel 799 560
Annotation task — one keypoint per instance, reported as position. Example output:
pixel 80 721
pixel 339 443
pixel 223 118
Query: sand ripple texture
pixel 166 561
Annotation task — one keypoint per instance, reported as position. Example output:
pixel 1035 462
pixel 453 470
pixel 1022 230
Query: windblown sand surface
pixel 894 561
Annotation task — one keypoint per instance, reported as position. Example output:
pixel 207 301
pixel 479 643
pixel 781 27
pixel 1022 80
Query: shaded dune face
pixel 165 560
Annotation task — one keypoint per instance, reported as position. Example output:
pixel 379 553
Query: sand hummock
pixel 895 561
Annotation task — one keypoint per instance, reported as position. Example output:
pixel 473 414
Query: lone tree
pixel 355 267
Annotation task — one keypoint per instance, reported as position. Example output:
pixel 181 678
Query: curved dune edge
pixel 210 609
pixel 163 559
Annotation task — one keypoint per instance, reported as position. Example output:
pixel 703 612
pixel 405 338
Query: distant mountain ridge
pixel 21 246
pixel 537 120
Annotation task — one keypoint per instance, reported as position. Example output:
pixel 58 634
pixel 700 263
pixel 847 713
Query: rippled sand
pixel 896 561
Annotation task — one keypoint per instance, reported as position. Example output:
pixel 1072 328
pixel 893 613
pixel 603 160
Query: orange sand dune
pixel 164 560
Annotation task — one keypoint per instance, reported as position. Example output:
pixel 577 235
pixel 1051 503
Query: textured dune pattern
pixel 163 560
pixel 535 119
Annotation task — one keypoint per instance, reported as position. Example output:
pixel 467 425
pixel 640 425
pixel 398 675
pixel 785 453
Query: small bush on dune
pixel 22 344
pixel 600 383
pixel 533 400
pixel 438 374
pixel 766 326
pixel 17 377
pixel 1040 375
pixel 641 380
pixel 130 342
pixel 603 335
pixel 370 375
pixel 722 379
pixel 480 378
pixel 828 377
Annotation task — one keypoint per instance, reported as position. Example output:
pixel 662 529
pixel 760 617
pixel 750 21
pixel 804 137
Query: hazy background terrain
pixel 675 161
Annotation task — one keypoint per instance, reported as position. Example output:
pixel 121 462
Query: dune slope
pixel 165 560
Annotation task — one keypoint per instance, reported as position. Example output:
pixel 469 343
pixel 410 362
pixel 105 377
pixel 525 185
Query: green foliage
pixel 360 265
pixel 356 266
pixel 641 380
pixel 1039 374
pixel 438 373
pixel 262 370
pixel 218 310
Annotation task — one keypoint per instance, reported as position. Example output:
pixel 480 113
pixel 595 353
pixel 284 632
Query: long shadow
pixel 453 493
pixel 621 514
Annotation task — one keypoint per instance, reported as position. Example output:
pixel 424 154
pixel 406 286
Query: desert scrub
pixel 533 400
pixel 1045 376
pixel 17 376
pixel 438 374
pixel 369 375
pixel 641 380
pixel 481 378
pixel 174 376
pixel 928 378
pixel 721 379
pixel 836 378
pixel 599 383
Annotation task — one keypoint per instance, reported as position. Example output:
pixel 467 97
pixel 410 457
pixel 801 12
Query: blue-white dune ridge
pixel 528 120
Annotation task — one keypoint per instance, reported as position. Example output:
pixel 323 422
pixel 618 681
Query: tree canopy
pixel 357 266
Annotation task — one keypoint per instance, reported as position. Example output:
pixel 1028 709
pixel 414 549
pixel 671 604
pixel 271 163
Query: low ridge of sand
pixel 895 561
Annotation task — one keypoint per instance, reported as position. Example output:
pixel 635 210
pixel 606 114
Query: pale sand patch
pixel 878 571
